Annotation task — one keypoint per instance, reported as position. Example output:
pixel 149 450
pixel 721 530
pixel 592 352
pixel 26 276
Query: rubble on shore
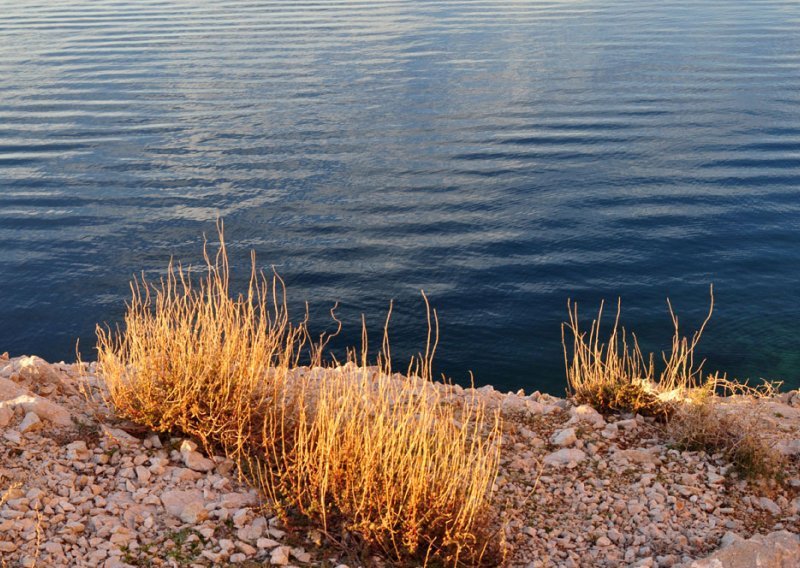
pixel 79 487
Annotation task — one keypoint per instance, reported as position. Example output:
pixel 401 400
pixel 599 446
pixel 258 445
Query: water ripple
pixel 501 155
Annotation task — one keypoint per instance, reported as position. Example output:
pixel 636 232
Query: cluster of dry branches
pixel 349 447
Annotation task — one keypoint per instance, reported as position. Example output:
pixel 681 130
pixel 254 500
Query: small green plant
pixel 89 432
pixel 183 548
pixel 185 551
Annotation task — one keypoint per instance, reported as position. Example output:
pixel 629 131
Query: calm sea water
pixel 502 156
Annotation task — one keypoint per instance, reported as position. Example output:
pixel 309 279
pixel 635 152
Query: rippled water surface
pixel 503 156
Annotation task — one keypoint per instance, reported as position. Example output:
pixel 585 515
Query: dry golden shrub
pixel 385 457
pixel 615 376
pixel 193 358
pixel 351 448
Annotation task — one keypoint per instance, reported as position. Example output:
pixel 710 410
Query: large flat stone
pixel 775 550
pixel 13 395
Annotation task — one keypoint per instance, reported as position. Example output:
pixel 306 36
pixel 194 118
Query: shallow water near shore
pixel 503 156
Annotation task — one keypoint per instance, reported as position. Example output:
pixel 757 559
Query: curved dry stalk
pixel 616 376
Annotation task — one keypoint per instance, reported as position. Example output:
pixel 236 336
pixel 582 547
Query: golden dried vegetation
pixel 354 449
pixel 614 376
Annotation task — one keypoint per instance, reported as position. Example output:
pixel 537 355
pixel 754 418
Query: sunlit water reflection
pixel 503 156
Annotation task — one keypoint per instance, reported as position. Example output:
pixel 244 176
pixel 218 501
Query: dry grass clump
pixel 354 449
pixel 382 456
pixel 192 358
pixel 615 376
pixel 700 425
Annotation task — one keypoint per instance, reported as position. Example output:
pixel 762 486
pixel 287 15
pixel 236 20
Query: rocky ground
pixel 613 492
pixel 79 487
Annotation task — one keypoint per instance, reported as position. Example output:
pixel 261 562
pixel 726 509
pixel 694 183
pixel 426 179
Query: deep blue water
pixel 503 156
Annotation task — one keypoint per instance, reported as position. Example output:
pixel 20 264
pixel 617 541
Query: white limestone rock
pixel 769 505
pixel 775 550
pixel 77 451
pixel 642 457
pixel 301 555
pixel 238 500
pixel 13 436
pixel 196 462
pixel 565 456
pixel 117 437
pixel 188 446
pixel 193 459
pixel 267 543
pixel 280 556
pixel 253 531
pixel 194 512
pixel 12 396
pixel 176 501
pixel 30 423
pixel 36 371
pixel 587 415
pixel 513 403
pixel 143 474
pixel 564 438
pixel 6 414
pixel 630 424
pixel 242 517
pixel 789 447
pixel 225 466
pixel 610 431
pixel 246 548
pixel 794 507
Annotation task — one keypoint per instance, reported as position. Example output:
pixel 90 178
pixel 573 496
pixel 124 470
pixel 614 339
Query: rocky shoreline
pixel 79 487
